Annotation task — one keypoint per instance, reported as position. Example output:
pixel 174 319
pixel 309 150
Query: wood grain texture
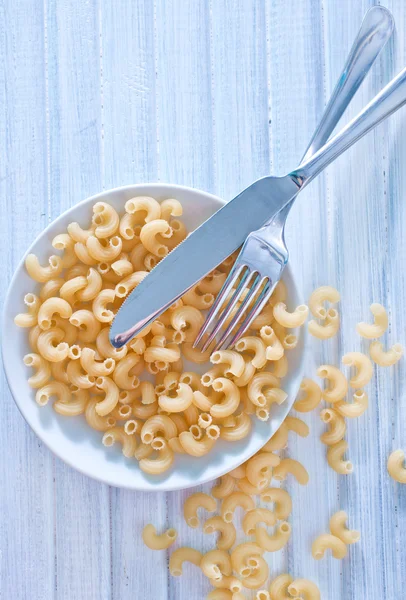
pixel 211 94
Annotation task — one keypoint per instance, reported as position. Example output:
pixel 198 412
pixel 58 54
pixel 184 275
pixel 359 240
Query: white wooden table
pixel 210 93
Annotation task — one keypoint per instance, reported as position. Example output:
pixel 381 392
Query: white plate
pixel 71 439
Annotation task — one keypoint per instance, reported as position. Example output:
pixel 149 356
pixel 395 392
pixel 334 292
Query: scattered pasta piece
pixel 338 528
pixel 327 541
pixel 385 358
pixel 379 326
pixel 335 459
pixel 158 542
pixel 397 466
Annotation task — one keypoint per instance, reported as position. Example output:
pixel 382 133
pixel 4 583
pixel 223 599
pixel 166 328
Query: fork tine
pixel 253 290
pixel 225 290
pixel 257 307
pixel 245 280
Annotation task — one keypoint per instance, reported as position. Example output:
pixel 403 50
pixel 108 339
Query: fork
pixel 264 254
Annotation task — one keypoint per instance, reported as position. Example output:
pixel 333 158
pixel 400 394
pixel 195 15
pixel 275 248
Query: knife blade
pixel 202 251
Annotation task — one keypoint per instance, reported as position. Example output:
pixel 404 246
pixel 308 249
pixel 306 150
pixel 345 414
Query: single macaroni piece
pixel 77 376
pixel 312 396
pixel 94 367
pixel 182 555
pixel 204 418
pixel 117 434
pixel 105 406
pixel 328 329
pixel 338 528
pixel 78 234
pixel 43 370
pixel 279 439
pixel 227 532
pixel 304 589
pixel 234 361
pixel 170 208
pixel 89 327
pixel 51 288
pixel 93 286
pixel 74 407
pixel 150 233
pixel 215 564
pixel 255 346
pixel 195 447
pixel 258 575
pixel 229 403
pixel 289 342
pixel 379 326
pixel 317 299
pixel 105 219
pixel 337 427
pixel 337 383
pixel 168 354
pixel 279 587
pixel 122 267
pixel 99 307
pixel 176 400
pixel 235 499
pixel 289 465
pixel 163 461
pixel 297 425
pixel 259 468
pixel 158 542
pixel 247 374
pixel 143 204
pixel 397 466
pixel 287 319
pixel 30 318
pixel 43 274
pixel 388 358
pixel 274 349
pixel 70 288
pixel 123 374
pixel 105 349
pixel 239 431
pixel 50 345
pixel 54 388
pixel 335 459
pixel 83 255
pixel 273 543
pixel 64 242
pixel 244 557
pixel 104 252
pixel 96 421
pixel 255 516
pixel 354 409
pixel 126 285
pixel 245 486
pixel 327 541
pixel 188 321
pixel 364 368
pixel 259 387
pixel 158 424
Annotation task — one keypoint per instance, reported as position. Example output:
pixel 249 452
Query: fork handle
pixel 376 28
pixel 390 99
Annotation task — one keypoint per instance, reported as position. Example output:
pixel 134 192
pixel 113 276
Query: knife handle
pixel 389 100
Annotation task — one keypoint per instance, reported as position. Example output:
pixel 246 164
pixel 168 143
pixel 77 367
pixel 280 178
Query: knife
pixel 227 229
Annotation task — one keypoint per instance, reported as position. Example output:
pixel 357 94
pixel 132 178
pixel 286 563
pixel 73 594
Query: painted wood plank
pixel 82 506
pixel 26 468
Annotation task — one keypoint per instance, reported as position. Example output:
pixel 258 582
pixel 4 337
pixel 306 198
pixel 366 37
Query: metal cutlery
pixel 227 229
pixel 264 252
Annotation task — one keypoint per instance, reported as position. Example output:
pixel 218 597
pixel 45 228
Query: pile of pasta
pixel 140 395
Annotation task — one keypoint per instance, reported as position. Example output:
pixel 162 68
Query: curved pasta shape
pixel 92 288
pixel 180 556
pixel 78 234
pixel 215 564
pixel 83 254
pixel 50 345
pixel 95 420
pixel 168 354
pixel 312 396
pixel 335 458
pixel 89 327
pixel 281 500
pixel 258 575
pixel 246 486
pixel 305 589
pixel 354 409
pixel 230 503
pixel 239 431
pixel 259 468
pixel 126 285
pixel 273 543
pixel 64 242
pixel 94 367
pixel 42 367
pixel 188 320
pixel 224 488
pixel 274 349
pixel 338 528
pixel 318 298
pixel 178 400
pixel 105 349
pixel 158 542
pixel 231 400
pixel 51 288
pixel 51 307
pixel 158 424
pixel 99 306
pixel 328 329
pixel 337 427
pixel 364 368
pixel 279 587
pixel 337 381
pixel 255 516
pixel 235 362
pixel 327 541
pixel 289 465
pixel 105 406
pixel 388 358
pixel 71 287
pixel 247 374
pixel 195 447
pixel 77 376
pixel 149 208
pixel 123 376
pixel 122 267
pixel 297 425
pixel 150 233
pixel 287 319
pixel 242 555
pixel 170 208
pixel 105 219
pixel 160 464
pixel 40 273
pixel 117 434
pixel 143 451
pixel 199 301
pixel 30 318
pixel 74 407
pixel 238 472
pixel 104 253
pixel 379 326
pixel 227 532
pixel 54 388
pixel 259 387
pixel 212 283
pixel 253 345
pixel 396 466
